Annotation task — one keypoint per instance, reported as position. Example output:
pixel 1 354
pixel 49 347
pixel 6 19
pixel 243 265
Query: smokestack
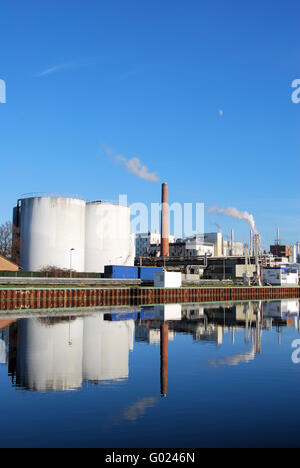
pixel 278 239
pixel 251 243
pixel 165 248
pixel 232 242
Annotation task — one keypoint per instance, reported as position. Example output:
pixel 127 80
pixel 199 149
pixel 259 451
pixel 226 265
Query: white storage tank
pixel 49 354
pixel 49 228
pixel 107 236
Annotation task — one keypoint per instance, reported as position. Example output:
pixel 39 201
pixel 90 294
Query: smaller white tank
pixel 107 236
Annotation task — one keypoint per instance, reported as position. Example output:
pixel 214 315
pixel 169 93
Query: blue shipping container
pixel 147 273
pixel 118 317
pixel 121 272
pixel 147 315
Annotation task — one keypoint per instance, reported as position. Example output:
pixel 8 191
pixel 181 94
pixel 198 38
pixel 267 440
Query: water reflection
pixel 59 353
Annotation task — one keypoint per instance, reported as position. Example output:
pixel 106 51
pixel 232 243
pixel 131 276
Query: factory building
pixel 210 244
pixel 280 276
pixel 191 248
pixel 228 268
pixel 216 239
pixel 148 243
pixel 233 249
pixel 283 251
pixel 67 232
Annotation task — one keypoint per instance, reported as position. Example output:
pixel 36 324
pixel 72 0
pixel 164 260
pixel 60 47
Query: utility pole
pixel 71 252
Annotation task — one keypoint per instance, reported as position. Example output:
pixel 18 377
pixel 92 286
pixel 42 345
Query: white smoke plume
pixel 135 166
pixel 217 226
pixel 233 212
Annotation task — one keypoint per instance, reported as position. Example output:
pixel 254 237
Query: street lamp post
pixel 71 252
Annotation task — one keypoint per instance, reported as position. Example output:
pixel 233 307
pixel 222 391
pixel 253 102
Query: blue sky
pixel 199 91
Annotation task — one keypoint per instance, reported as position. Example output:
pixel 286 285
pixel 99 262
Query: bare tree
pixel 6 234
pixel 56 272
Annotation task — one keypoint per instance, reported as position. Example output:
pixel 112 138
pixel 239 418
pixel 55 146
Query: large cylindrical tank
pixel 106 347
pixel 49 354
pixel 50 227
pixel 107 236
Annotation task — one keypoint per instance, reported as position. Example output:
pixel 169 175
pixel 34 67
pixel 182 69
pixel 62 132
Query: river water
pixel 196 375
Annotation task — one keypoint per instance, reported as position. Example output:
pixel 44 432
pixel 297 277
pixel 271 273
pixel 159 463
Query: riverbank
pixel 41 297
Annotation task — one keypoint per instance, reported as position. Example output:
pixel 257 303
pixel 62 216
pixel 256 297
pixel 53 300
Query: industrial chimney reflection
pixel 164 356
pixel 58 354
pixel 165 313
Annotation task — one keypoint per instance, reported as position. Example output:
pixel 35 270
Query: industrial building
pixel 148 243
pixel 222 247
pixel 280 276
pixel 229 268
pixel 209 244
pixel 281 250
pixel 69 233
pixel 286 251
pixel 191 248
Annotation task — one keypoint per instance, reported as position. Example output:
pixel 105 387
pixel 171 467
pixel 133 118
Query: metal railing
pixel 50 194
pixel 69 195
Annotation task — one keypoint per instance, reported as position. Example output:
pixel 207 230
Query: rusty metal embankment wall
pixel 23 298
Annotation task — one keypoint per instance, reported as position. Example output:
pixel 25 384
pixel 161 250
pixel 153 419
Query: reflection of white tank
pixel 49 355
pixel 108 240
pixel 106 348
pixel 49 228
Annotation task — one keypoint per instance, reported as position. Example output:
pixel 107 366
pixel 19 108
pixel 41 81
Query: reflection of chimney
pixel 165 221
pixel 164 345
